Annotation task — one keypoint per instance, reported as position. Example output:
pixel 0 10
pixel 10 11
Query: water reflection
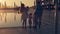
pixel 9 18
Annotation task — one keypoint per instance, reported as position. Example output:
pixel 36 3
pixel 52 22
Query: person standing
pixel 38 15
pixel 24 11
pixel 30 20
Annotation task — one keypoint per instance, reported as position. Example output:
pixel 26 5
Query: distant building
pixel 15 5
pixel 5 4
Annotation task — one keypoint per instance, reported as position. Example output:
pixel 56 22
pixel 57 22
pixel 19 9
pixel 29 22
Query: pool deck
pixel 19 30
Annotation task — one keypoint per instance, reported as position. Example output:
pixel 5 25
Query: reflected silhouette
pixel 14 16
pixel 1 16
pixel 5 16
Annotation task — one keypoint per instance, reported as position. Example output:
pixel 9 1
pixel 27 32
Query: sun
pixel 0 0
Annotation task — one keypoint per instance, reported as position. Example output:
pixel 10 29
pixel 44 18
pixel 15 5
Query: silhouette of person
pixel 24 11
pixel 49 6
pixel 22 8
pixel 30 20
pixel 38 15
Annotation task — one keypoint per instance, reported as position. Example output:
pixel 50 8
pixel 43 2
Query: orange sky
pixel 26 2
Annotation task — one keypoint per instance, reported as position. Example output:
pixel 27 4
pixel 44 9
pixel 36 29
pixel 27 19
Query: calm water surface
pixel 10 18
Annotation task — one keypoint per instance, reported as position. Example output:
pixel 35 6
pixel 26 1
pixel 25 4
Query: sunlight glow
pixel 11 2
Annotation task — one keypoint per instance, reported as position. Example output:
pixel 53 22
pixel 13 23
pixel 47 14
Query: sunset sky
pixel 26 2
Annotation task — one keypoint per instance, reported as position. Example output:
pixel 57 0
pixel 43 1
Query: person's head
pixel 27 7
pixel 39 3
pixel 22 4
pixel 30 14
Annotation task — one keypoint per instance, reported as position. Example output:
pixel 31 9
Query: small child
pixel 30 20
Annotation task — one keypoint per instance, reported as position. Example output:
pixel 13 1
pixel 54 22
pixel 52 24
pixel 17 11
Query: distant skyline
pixel 11 2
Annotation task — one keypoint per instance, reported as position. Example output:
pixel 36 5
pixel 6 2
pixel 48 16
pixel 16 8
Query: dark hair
pixel 38 2
pixel 22 4
pixel 27 7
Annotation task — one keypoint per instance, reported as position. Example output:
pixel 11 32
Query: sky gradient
pixel 26 2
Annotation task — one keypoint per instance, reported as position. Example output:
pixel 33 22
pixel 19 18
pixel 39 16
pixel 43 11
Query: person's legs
pixel 25 23
pixel 36 21
pixel 29 25
pixel 40 18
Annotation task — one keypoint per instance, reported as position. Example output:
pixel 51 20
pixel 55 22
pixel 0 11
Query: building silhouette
pixel 5 4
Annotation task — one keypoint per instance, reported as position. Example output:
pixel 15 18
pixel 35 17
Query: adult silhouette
pixel 24 11
pixel 38 15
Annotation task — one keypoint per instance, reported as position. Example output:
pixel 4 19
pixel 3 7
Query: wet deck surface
pixel 19 31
